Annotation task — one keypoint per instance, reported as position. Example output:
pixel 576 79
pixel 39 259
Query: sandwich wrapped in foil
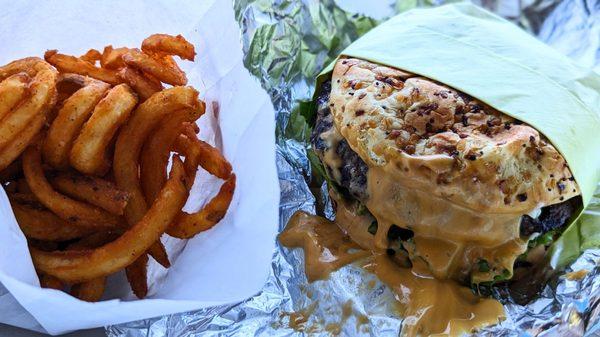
pixel 286 43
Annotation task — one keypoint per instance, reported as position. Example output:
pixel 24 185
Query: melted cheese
pixel 432 307
pixel 449 242
pixel 353 224
pixel 425 312
pixel 331 159
pixel 326 248
pixel 450 238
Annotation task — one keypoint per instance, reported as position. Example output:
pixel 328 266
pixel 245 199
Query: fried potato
pixel 91 56
pixel 92 290
pixel 22 124
pixel 25 198
pixel 12 172
pixel 170 45
pixel 112 57
pixel 132 137
pixel 164 71
pixel 143 84
pixel 37 223
pixel 137 275
pixel 83 226
pixel 66 126
pixel 134 134
pixel 89 152
pixel 29 65
pixel 42 92
pixel 23 187
pixel 188 225
pixel 159 253
pixel 81 266
pixel 185 145
pixel 155 154
pixel 76 212
pixel 15 148
pixel 12 91
pixel 89 291
pixel 72 64
pixel 198 153
pixel 208 157
pixel 95 240
pixel 50 282
pixel 95 191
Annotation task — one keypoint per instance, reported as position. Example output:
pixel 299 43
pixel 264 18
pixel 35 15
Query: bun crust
pixel 443 141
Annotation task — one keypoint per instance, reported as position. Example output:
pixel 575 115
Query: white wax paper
pixel 224 265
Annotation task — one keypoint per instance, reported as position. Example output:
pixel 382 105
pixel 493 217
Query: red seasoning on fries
pixel 85 144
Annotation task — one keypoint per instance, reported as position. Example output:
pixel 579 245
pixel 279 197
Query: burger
pixel 436 178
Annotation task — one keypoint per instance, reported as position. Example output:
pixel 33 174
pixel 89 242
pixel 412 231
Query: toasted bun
pixel 440 140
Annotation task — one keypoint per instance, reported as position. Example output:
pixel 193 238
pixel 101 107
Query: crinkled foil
pixel 286 42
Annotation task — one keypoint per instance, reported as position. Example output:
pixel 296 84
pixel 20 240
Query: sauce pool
pixel 429 307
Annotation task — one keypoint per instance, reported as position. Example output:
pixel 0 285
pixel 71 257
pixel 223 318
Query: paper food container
pixel 224 265
pixel 491 59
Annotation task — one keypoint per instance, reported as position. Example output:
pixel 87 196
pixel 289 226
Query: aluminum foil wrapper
pixel 286 43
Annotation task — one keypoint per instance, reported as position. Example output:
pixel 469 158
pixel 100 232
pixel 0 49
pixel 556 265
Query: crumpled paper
pixel 286 43
pixel 223 265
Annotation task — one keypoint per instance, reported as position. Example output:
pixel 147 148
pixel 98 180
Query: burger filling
pixel 357 190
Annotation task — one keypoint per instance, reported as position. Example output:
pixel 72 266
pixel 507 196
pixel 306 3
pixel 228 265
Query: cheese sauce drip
pixel 432 307
pixel 453 240
pixel 429 306
pixel 326 248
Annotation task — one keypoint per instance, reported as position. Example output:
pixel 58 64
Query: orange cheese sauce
pixel 326 248
pixel 429 306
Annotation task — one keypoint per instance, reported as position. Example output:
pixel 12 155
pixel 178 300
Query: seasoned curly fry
pixel 75 112
pixel 24 121
pixel 184 145
pixel 112 57
pixel 107 116
pixel 137 276
pixel 134 134
pixel 12 91
pixel 144 84
pixel 15 148
pixel 95 240
pixel 89 291
pixel 169 45
pixel 208 157
pixel 96 191
pixel 92 290
pixel 81 266
pixel 89 152
pixel 155 154
pixel 41 224
pixel 68 209
pixel 163 71
pixel 188 225
pixel 50 282
pixel 92 56
pixel 200 153
pixel 29 65
pixel 72 64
